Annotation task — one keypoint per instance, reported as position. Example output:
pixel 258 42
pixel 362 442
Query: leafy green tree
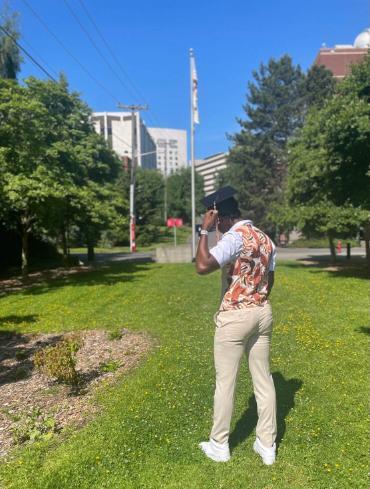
pixel 179 194
pixel 31 182
pixel 92 168
pixel 329 159
pixel 55 171
pixel 258 160
pixel 318 86
pixel 149 197
pixel 10 58
pixel 149 203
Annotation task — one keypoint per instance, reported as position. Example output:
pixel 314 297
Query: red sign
pixel 174 222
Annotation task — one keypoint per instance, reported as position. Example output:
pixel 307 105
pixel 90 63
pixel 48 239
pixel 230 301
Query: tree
pixel 149 197
pixel 329 160
pixel 149 203
pixel 257 163
pixel 91 166
pixel 318 86
pixel 55 170
pixel 30 181
pixel 10 58
pixel 179 194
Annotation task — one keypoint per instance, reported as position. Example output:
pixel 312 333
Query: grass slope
pixel 153 419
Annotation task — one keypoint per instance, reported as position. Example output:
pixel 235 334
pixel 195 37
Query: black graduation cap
pixel 223 199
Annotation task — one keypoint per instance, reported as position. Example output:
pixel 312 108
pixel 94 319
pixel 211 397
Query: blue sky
pixel 152 39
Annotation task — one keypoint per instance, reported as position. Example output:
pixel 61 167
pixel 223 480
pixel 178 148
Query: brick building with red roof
pixel 340 58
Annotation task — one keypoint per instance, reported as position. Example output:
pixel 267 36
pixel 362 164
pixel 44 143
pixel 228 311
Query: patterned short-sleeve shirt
pixel 249 254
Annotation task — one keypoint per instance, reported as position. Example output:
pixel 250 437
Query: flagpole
pixel 193 243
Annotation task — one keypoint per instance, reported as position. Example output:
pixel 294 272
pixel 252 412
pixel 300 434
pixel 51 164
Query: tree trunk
pixel 90 252
pixel 332 246
pixel 367 245
pixel 64 244
pixel 24 251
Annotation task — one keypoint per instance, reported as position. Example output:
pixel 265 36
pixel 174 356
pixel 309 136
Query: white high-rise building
pixel 115 127
pixel 209 168
pixel 171 149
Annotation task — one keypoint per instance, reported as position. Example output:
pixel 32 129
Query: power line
pixel 111 52
pixel 46 27
pixel 27 54
pixel 45 63
pixel 95 46
pixel 151 113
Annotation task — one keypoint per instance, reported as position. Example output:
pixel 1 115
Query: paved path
pixel 313 253
pixel 117 257
pixel 282 254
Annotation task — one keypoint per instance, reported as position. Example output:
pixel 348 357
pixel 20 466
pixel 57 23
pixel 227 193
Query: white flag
pixel 194 88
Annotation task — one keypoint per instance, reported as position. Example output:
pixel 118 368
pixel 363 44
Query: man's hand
pixel 209 219
pixel 204 261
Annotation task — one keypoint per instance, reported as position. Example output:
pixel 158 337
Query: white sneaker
pixel 268 455
pixel 219 452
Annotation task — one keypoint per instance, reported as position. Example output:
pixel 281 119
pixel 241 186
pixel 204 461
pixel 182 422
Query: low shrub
pixel 59 361
pixel 21 354
pixel 20 373
pixel 147 234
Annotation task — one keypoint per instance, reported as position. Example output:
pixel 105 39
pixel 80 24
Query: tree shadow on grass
pixel 17 319
pixel 16 355
pixel 356 267
pixel 107 275
pixel 363 329
pixel 285 394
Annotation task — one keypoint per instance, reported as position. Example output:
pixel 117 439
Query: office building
pixel 171 148
pixel 115 127
pixel 209 168
pixel 341 57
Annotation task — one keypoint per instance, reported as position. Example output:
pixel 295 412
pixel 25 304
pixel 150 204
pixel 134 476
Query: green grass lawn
pixel 322 243
pixel 153 419
pixel 183 235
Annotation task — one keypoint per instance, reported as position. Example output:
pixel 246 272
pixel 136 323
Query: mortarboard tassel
pixel 217 231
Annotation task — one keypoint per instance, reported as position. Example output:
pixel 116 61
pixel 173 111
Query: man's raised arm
pixel 204 261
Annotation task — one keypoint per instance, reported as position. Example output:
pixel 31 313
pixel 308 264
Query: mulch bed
pixel 23 388
pixel 17 283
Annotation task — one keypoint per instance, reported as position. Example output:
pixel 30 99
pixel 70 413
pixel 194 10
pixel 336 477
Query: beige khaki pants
pixel 244 331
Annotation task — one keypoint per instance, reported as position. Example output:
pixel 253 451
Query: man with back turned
pixel 243 321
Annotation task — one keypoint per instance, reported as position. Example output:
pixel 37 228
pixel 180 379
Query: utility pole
pixel 134 109
pixel 162 143
pixel 165 181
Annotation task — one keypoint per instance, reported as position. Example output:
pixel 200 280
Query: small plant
pixel 110 366
pixel 20 373
pixel 34 426
pixel 115 335
pixel 59 361
pixel 21 354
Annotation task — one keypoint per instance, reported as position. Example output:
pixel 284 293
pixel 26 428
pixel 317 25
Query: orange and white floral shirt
pixel 249 255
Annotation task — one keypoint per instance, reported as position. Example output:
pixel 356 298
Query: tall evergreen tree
pixel 10 58
pixel 258 160
pixel 318 86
